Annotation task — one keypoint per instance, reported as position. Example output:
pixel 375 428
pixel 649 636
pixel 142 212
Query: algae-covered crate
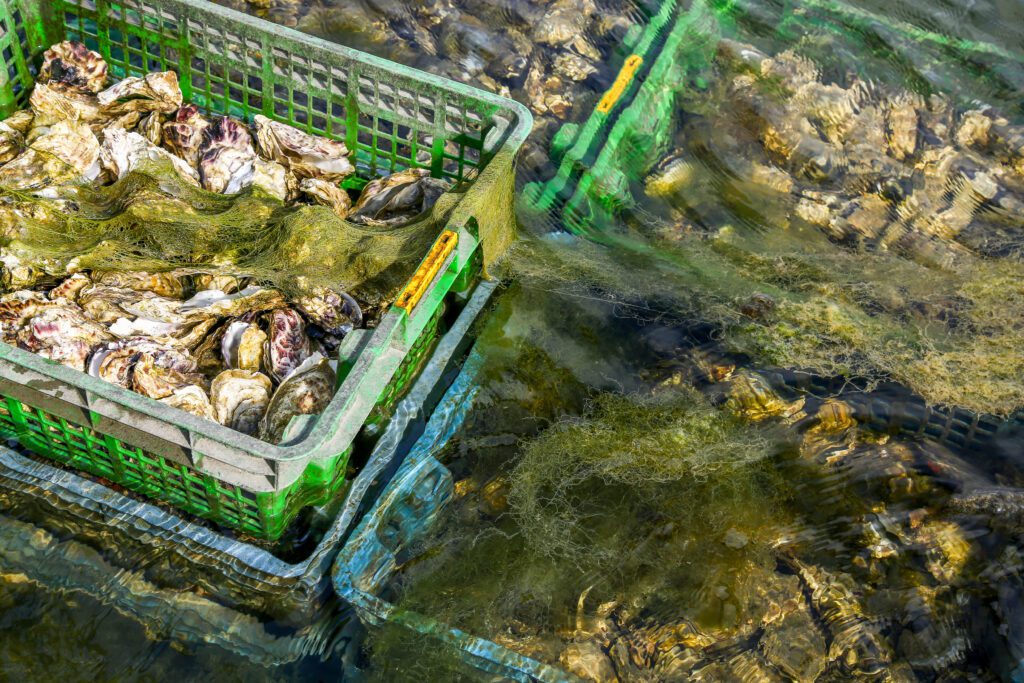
pixel 391 117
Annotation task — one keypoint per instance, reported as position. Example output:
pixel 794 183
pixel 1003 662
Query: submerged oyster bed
pixel 212 342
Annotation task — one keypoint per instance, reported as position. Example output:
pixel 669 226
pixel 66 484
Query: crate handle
pixel 428 269
pixel 626 74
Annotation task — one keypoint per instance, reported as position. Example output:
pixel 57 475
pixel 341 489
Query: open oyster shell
pixel 307 156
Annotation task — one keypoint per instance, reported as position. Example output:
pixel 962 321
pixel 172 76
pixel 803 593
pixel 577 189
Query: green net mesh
pixel 152 220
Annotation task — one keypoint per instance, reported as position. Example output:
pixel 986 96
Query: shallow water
pixel 616 510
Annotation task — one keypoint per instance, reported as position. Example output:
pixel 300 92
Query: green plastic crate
pixel 391 116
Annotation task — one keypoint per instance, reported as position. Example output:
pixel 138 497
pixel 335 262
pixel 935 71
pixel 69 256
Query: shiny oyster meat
pixel 157 91
pixel 240 399
pixel 183 135
pixel 191 399
pixel 123 152
pixel 307 391
pixel 397 199
pixel 75 66
pixel 242 346
pixel 327 194
pixel 287 345
pixel 226 157
pixel 334 311
pixel 67 152
pixel 62 334
pixel 307 156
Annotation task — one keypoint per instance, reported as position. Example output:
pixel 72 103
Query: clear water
pixel 609 502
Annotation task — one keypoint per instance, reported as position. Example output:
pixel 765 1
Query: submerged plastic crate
pixel 391 116
pixel 602 158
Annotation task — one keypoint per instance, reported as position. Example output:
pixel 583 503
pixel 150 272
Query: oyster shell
pixel 123 152
pixel 12 142
pixel 157 91
pixel 287 345
pixel 74 66
pixel 62 334
pixel 183 135
pixel 327 194
pixel 21 120
pixel 216 304
pixel 191 399
pixel 112 362
pixel 159 375
pixel 105 304
pixel 17 307
pixel 226 157
pixel 395 200
pixel 273 179
pixel 307 391
pixel 334 311
pixel 242 346
pixel 70 288
pixel 52 104
pixel 240 399
pixel 161 284
pixel 228 284
pixel 67 152
pixel 307 156
pixel 151 127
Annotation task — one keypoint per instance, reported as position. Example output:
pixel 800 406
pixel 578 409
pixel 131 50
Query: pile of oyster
pixel 215 346
pixel 77 130
pixel 218 346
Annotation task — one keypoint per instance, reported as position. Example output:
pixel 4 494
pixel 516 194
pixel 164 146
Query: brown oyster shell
pixel 74 66
pixel 287 345
pixel 398 198
pixel 66 152
pixel 183 135
pixel 307 156
pixel 157 91
pixel 123 152
pixel 327 194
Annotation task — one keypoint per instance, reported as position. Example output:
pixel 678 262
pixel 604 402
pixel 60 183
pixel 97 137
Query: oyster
pixel 74 66
pixel 273 179
pixel 123 152
pixel 62 334
pixel 327 194
pixel 183 135
pixel 125 327
pixel 240 398
pixel 334 311
pixel 21 120
pixel 143 94
pixel 70 288
pixel 307 391
pixel 226 157
pixel 67 152
pixel 151 127
pixel 215 303
pixel 307 156
pixel 113 361
pixel 17 307
pixel 393 201
pixel 287 345
pixel 161 284
pixel 105 304
pixel 52 104
pixel 228 284
pixel 12 142
pixel 191 399
pixel 243 346
pixel 159 375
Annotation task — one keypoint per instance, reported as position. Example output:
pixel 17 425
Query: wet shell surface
pixel 287 345
pixel 397 199
pixel 240 399
pixel 307 391
pixel 153 92
pixel 123 152
pixel 327 194
pixel 183 135
pixel 68 152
